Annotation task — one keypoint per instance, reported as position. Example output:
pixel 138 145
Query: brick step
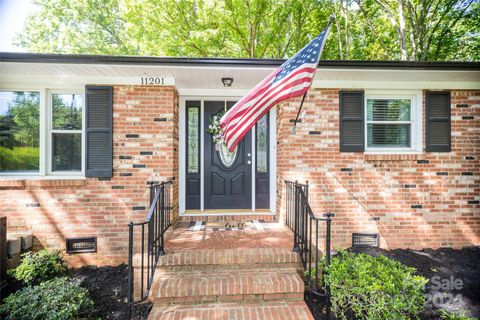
pixel 227 286
pixel 292 310
pixel 226 217
pixel 229 257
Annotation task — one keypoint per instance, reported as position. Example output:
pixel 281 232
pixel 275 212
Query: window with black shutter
pixel 352 130
pixel 99 109
pixel 438 127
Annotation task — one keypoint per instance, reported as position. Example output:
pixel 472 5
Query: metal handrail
pixel 152 232
pixel 306 228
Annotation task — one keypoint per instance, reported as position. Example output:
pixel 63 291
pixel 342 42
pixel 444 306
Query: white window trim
pixel 416 121
pixel 44 171
pixel 50 131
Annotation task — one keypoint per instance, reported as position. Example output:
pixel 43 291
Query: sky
pixel 13 14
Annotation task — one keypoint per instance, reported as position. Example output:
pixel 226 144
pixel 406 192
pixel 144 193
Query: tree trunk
pixel 403 40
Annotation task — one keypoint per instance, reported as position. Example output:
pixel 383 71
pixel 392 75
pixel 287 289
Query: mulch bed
pixel 108 289
pixel 438 265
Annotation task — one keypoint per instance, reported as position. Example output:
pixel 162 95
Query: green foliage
pixel 446 315
pixel 19 158
pixel 57 299
pixel 367 29
pixel 19 127
pixel 374 288
pixel 39 266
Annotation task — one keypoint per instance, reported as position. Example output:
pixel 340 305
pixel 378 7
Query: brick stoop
pixel 294 310
pixel 237 283
pixel 227 285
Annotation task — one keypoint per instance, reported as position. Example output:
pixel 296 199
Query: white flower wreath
pixel 216 131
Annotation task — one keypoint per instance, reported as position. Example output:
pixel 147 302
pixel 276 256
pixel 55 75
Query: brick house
pixel 392 148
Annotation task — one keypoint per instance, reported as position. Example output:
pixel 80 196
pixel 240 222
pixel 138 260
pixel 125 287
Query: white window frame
pixel 45 164
pixel 51 131
pixel 415 120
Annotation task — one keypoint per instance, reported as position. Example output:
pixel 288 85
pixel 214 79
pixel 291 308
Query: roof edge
pixel 179 61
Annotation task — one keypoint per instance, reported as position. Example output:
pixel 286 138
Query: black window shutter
pixel 438 126
pixel 352 127
pixel 99 109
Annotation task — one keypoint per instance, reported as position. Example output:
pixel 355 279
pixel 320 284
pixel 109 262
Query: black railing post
pixel 296 210
pixel 162 216
pixel 130 269
pixel 306 190
pixel 327 259
pixel 152 192
pixel 328 237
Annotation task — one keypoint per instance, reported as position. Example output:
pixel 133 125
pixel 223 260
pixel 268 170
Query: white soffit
pixel 187 77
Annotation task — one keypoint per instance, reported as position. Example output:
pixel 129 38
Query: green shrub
pixel 372 288
pixel 57 299
pixel 19 158
pixel 39 266
pixel 446 315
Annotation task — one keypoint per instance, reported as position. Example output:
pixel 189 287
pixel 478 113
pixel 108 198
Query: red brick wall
pixel 57 209
pixel 417 201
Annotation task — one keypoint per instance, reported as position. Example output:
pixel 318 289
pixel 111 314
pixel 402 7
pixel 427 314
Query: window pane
pixel 388 135
pixel 19 131
pixel 262 144
pixel 67 111
pixel 388 109
pixel 193 140
pixel 67 152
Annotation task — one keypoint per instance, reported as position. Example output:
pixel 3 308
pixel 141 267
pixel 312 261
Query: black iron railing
pixel 146 243
pixel 310 234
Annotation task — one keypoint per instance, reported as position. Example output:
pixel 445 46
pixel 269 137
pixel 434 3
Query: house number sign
pixel 153 81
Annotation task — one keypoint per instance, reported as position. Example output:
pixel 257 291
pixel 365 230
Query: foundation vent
pixel 81 245
pixel 365 239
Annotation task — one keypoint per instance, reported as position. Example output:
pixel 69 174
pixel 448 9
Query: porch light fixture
pixel 227 82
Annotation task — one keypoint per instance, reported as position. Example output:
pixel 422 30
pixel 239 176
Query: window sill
pixel 19 182
pixel 390 156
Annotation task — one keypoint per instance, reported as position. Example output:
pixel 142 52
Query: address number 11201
pixel 153 80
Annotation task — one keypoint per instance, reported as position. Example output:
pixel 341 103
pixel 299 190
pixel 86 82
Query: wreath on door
pixel 216 130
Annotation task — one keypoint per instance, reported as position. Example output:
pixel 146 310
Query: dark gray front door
pixel 228 176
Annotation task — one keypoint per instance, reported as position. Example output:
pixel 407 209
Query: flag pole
pixel 294 128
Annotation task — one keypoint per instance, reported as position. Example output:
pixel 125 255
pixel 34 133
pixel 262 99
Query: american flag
pixel 292 79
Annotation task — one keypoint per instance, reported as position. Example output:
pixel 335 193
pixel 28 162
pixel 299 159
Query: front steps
pixel 248 311
pixel 242 283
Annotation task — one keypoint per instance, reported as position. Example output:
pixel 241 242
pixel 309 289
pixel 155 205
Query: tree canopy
pixel 363 29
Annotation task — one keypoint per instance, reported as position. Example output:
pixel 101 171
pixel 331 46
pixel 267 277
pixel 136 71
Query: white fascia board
pixel 67 81
pixel 406 85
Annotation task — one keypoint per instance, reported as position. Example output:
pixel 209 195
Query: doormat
pixel 230 226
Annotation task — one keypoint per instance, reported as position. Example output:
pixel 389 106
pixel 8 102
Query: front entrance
pixel 218 179
pixel 228 175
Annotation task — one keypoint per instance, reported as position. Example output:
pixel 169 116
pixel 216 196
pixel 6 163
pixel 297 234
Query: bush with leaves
pixel 446 315
pixel 39 266
pixel 374 288
pixel 57 299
